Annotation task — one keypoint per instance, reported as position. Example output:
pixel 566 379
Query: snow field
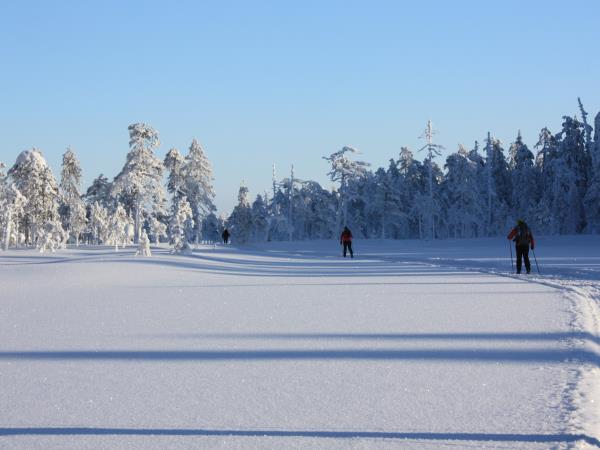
pixel 290 346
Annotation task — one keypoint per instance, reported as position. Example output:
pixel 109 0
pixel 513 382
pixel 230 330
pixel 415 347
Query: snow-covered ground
pixel 287 345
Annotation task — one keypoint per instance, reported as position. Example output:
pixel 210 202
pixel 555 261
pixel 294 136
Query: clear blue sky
pixel 287 82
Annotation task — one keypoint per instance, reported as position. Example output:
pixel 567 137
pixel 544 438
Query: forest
pixel 478 191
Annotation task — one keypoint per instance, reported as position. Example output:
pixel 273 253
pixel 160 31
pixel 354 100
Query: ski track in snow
pixel 287 345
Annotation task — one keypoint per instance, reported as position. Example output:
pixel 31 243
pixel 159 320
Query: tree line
pixel 479 191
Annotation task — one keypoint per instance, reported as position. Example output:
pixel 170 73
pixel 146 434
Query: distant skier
pixel 523 239
pixel 346 241
pixel 225 236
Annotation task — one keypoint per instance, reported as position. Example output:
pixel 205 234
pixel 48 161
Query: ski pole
pixel 536 263
pixel 512 264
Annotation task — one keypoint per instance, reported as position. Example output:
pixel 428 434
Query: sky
pixel 259 83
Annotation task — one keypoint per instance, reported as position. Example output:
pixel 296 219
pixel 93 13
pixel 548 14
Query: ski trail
pixel 582 398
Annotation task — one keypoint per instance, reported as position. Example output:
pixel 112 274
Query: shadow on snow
pixel 489 437
pixel 516 356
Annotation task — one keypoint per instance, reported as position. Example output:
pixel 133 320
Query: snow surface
pixel 412 344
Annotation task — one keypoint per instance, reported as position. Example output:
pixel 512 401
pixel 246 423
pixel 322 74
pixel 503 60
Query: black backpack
pixel 522 237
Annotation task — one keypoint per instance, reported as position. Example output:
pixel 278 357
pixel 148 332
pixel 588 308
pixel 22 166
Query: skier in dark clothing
pixel 225 236
pixel 346 241
pixel 523 239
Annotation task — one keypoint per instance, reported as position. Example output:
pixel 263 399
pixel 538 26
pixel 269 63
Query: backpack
pixel 522 237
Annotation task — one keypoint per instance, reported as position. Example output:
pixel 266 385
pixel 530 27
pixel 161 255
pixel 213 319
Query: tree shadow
pixel 540 337
pixel 420 436
pixel 514 356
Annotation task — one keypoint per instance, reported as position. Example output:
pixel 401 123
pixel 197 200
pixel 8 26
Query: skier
pixel 225 236
pixel 523 239
pixel 346 241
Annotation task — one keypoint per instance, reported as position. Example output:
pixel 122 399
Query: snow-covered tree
pixel 346 172
pixel 497 188
pixel 99 191
pixel 98 224
pixel 144 245
pixel 34 180
pixel 211 228
pixel 412 186
pixel 156 229
pixel 525 193
pixel 141 176
pixel 116 232
pixel 12 209
pixel 181 226
pixel 433 150
pixel 544 220
pixel 174 163
pixel 570 169
pixel 465 210
pixel 320 210
pixel 197 174
pixel 592 197
pixel 382 204
pixel 51 236
pixel 260 222
pixel 73 211
pixel 240 220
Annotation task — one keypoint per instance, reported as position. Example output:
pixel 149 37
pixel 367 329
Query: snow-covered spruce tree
pixel 141 176
pixel 482 180
pixel 240 220
pixel 259 219
pixel 5 215
pixel 356 216
pixel 570 169
pixel 174 163
pixel 323 211
pixel 384 203
pixel 345 171
pixel 544 221
pixel 464 209
pixel 73 211
pixel 12 204
pixel 279 225
pixel 311 216
pixel 422 209
pixel 144 245
pixel 34 180
pixel 156 229
pixel 99 191
pixel 287 199
pixel 497 188
pixel 591 200
pixel 116 232
pixel 291 189
pixel 588 141
pixel 181 226
pixel 98 224
pixel 433 150
pixel 412 187
pixel 525 191
pixel 211 228
pixel 51 236
pixel 197 174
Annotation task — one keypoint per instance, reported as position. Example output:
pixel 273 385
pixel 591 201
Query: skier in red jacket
pixel 523 238
pixel 346 241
